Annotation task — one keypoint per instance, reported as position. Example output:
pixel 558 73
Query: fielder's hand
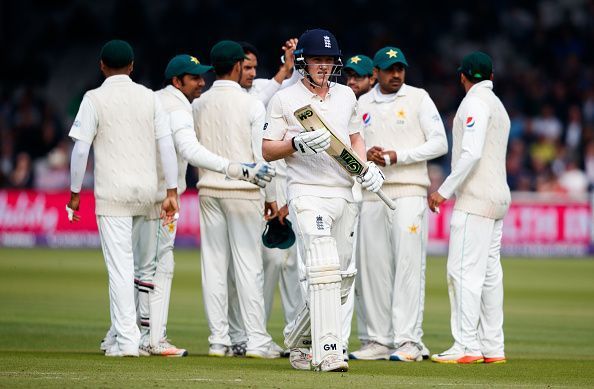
pixel 260 173
pixel 169 208
pixel 312 142
pixel 72 206
pixel 372 179
pixel 435 200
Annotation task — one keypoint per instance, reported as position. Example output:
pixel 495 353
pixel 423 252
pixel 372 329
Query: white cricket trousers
pixel 392 250
pixel 231 233
pixel 280 268
pixel 475 284
pixel 116 242
pixel 335 217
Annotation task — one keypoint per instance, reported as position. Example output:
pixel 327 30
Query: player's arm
pixel 436 142
pixel 473 141
pixel 188 146
pixel 275 147
pixel 168 161
pixel 83 132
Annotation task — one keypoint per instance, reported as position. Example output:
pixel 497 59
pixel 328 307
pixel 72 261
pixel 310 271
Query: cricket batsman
pixel 319 196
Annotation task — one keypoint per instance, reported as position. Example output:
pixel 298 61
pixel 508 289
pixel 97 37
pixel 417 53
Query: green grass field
pixel 54 311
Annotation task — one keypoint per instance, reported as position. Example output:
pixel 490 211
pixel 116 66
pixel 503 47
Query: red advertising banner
pixel 30 218
pixel 532 227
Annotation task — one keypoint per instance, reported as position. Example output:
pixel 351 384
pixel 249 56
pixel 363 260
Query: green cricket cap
pixel 117 54
pixel 185 64
pixel 388 56
pixel 477 65
pixel 360 64
pixel 226 52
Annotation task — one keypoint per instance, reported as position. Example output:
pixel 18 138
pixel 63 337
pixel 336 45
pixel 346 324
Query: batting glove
pixel 259 173
pixel 312 142
pixel 372 179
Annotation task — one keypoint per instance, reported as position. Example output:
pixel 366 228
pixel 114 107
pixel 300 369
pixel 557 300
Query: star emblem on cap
pixel 355 59
pixel 391 53
pixel 195 60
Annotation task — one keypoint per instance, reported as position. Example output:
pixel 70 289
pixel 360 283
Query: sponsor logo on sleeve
pixel 469 122
pixel 366 119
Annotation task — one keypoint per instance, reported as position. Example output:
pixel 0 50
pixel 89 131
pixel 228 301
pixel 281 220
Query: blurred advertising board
pixel 535 225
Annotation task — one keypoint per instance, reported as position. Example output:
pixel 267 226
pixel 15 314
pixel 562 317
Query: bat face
pixel 342 153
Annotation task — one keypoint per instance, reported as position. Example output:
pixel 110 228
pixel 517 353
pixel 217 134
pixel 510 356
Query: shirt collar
pixel 177 93
pixel 380 97
pixel 483 84
pixel 309 93
pixel 117 78
pixel 225 83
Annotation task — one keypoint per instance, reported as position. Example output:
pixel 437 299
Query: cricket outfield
pixel 54 311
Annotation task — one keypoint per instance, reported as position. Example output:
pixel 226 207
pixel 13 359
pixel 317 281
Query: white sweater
pixel 124 147
pixel 225 119
pixel 478 178
pixel 408 122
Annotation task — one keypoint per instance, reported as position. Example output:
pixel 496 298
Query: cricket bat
pixel 346 157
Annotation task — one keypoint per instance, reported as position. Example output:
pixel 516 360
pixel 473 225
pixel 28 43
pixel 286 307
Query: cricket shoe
pixel 284 353
pixel 333 363
pixel 108 341
pixel 219 350
pixel 166 349
pixel 372 351
pixel 115 351
pixel 425 351
pixel 345 354
pixel 495 359
pixel 454 356
pixel 268 353
pixel 300 358
pixel 408 352
pixel 239 349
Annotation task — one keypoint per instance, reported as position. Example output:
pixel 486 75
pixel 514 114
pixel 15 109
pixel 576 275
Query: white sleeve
pixel 436 142
pixel 78 164
pixel 86 122
pixel 268 89
pixel 188 146
pixel 258 120
pixel 161 124
pixel 295 76
pixel 476 117
pixel 168 160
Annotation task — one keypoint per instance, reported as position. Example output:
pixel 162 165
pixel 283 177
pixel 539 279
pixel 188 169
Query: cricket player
pixel 478 179
pixel 319 195
pixel 126 125
pixel 184 79
pixel 280 266
pixel 261 88
pixel 229 122
pixel 404 130
pixel 359 74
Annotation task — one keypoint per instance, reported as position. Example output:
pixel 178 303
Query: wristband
pixel 387 159
pixel 293 144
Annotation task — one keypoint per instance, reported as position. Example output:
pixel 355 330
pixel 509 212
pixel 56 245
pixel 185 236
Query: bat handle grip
pixel 386 199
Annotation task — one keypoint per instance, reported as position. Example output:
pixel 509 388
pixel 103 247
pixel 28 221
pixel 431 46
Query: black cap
pixel 117 54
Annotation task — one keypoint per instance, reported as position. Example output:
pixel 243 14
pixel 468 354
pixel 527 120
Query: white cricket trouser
pixel 392 251
pixel 475 284
pixel 280 268
pixel 144 248
pixel 231 233
pixel 116 243
pixel 338 220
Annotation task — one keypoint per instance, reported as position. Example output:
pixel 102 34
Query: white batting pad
pixel 323 270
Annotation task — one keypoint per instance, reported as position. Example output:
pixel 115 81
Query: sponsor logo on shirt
pixel 366 119
pixel 469 122
pixel 319 222
pixel 265 125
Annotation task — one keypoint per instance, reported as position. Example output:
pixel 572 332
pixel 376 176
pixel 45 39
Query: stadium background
pixel 544 73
